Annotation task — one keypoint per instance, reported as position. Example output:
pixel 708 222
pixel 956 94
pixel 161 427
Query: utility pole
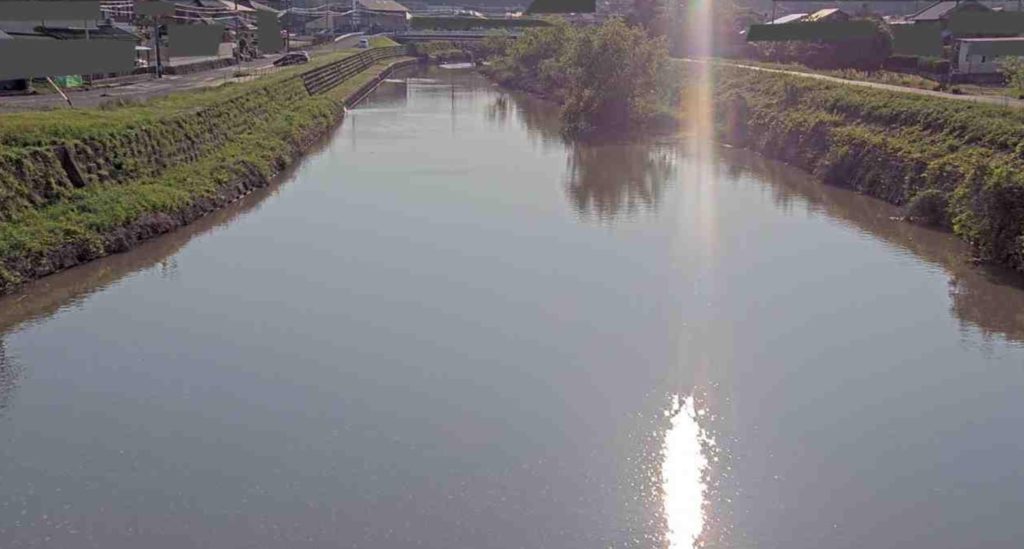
pixel 156 45
pixel 238 37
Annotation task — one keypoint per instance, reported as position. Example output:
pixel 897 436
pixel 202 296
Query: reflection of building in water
pixel 990 299
pixel 608 182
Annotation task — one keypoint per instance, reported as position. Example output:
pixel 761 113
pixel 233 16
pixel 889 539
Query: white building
pixel 983 55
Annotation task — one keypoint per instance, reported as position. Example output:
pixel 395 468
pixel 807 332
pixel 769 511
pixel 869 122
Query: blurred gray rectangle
pixel 37 58
pixel 194 40
pixel 1000 23
pixel 78 10
pixel 920 39
pixel 269 32
pixel 830 31
pixel 154 8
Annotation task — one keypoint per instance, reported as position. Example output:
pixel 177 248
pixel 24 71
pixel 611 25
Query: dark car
pixel 293 58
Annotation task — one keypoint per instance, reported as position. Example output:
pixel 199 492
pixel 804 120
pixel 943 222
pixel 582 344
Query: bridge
pixel 408 36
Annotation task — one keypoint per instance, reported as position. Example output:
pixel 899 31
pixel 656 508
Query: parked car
pixel 292 58
pixel 364 43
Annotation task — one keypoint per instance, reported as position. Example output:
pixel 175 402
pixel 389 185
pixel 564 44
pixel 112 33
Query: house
pixel 791 18
pixel 61 30
pixel 383 15
pixel 980 56
pixel 375 15
pixel 606 9
pixel 831 15
pixel 75 30
pixel 227 12
pixel 22 30
pixel 18 84
pixel 940 12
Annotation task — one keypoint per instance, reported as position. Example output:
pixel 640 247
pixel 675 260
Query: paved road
pixel 993 100
pixel 145 89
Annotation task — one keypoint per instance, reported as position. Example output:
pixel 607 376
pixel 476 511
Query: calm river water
pixel 448 328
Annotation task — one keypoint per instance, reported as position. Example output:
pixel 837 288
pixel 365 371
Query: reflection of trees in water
pixel 609 182
pixel 10 373
pixel 988 298
pixel 604 181
pixel 539 117
pixel 500 110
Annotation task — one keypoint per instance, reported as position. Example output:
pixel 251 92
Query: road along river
pixel 448 328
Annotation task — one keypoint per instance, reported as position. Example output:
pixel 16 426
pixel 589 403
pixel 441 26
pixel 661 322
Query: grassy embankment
pixel 142 169
pixel 950 163
pixel 382 42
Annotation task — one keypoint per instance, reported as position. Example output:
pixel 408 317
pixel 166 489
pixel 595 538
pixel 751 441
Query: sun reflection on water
pixel 683 473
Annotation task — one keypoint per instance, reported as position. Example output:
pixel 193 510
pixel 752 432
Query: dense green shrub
pixel 610 76
pixel 930 206
pixel 1013 68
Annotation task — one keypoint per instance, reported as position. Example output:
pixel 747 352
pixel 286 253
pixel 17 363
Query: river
pixel 448 328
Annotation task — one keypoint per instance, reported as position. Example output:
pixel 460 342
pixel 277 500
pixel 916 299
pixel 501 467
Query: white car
pixel 364 43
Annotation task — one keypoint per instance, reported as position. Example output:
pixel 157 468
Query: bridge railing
pixel 454 35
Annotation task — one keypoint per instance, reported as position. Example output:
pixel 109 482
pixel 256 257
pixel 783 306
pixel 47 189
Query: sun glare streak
pixel 683 476
pixel 698 113
pixel 699 102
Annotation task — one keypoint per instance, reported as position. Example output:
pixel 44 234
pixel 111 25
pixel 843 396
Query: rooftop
pixel 940 10
pixel 791 18
pixel 824 14
pixel 383 5
pixel 994 39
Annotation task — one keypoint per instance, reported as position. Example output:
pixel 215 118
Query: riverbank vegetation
pixel 80 184
pixel 607 78
pixel 950 163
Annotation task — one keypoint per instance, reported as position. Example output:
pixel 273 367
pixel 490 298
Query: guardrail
pixel 324 78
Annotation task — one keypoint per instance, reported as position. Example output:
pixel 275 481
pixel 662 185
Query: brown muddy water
pixel 450 329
